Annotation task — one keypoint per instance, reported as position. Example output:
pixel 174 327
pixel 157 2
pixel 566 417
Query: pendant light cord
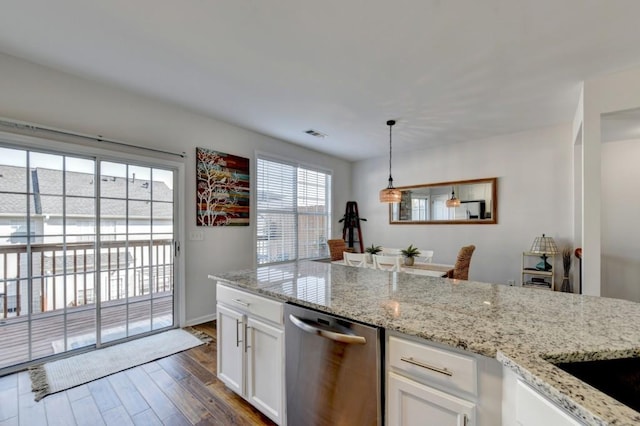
pixel 390 123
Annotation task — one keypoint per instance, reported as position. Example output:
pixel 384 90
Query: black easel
pixel 351 223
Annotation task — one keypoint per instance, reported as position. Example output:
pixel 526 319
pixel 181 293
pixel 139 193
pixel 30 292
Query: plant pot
pixel 408 261
pixel 368 257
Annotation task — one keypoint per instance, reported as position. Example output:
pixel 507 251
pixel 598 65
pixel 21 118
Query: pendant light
pixel 453 201
pixel 390 194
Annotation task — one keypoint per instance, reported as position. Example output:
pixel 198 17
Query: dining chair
pixel 389 251
pixel 426 256
pixel 336 248
pixel 355 259
pixel 461 268
pixel 387 263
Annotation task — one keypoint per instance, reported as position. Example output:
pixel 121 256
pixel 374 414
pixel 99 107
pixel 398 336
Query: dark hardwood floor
pixel 181 389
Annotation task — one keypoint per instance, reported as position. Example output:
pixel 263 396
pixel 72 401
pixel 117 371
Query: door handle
pixel 237 334
pixel 314 328
pixel 246 337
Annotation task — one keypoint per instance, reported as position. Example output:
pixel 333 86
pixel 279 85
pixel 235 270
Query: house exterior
pixel 63 236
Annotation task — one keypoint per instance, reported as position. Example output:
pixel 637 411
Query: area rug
pixel 63 374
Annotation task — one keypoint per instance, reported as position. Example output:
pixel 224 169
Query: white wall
pixel 620 208
pixel 578 187
pixel 614 92
pixel 37 94
pixel 535 181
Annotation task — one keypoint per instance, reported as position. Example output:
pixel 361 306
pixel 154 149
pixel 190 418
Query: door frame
pixel 62 145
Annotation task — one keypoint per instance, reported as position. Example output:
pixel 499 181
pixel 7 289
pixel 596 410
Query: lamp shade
pixel 453 201
pixel 390 195
pixel 544 245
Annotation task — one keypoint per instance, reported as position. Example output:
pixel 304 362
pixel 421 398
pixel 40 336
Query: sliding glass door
pixel 86 252
pixel 136 242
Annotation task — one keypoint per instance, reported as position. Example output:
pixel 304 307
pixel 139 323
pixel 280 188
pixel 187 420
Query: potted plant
pixel 371 251
pixel 409 254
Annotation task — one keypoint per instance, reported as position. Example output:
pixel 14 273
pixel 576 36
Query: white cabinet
pixel 412 404
pixel 265 373
pixel 431 384
pixel 532 409
pixel 522 405
pixel 231 348
pixel 251 349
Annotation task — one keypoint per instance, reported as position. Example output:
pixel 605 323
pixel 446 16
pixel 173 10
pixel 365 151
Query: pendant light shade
pixel 390 194
pixel 453 201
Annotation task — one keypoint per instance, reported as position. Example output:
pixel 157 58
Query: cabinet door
pixel 532 409
pixel 414 404
pixel 230 329
pixel 265 368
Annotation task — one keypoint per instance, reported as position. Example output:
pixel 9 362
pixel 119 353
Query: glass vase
pixel 566 285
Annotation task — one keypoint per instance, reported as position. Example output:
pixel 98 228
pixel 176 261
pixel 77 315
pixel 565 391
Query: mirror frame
pixel 494 205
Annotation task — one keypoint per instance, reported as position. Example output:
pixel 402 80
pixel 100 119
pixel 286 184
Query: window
pixel 420 208
pixel 294 211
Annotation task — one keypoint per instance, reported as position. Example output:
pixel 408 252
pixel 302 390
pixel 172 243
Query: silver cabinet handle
pixel 237 334
pixel 313 328
pixel 240 302
pixel 246 337
pixel 427 366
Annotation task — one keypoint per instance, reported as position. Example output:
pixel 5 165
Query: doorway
pixel 86 252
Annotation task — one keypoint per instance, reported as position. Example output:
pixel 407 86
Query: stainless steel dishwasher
pixel 333 370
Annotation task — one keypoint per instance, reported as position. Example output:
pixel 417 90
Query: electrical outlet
pixel 511 282
pixel 196 235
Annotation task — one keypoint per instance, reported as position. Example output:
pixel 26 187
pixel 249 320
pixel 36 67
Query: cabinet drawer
pixel 434 366
pixel 252 304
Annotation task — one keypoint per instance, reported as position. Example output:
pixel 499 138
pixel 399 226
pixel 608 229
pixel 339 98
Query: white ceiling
pixel 447 70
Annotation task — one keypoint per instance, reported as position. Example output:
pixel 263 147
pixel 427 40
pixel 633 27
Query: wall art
pixel 222 189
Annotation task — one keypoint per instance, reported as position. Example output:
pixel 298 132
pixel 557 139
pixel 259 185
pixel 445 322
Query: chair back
pixel 389 251
pixel 355 259
pixel 387 263
pixel 336 248
pixel 461 268
pixel 426 256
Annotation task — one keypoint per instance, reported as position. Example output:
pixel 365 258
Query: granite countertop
pixel 522 328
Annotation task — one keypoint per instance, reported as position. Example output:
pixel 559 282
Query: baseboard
pixel 200 320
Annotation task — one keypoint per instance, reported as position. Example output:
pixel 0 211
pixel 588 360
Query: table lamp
pixel 544 246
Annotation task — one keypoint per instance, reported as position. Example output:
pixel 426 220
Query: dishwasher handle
pixel 313 328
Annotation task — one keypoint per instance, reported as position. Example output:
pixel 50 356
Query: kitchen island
pixel 522 328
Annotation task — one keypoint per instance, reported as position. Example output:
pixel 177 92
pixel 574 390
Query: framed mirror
pixel 459 202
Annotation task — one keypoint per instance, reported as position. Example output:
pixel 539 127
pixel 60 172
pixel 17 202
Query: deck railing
pixel 68 275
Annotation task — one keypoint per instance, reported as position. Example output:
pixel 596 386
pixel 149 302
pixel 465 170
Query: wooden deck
pixel 181 389
pixel 48 329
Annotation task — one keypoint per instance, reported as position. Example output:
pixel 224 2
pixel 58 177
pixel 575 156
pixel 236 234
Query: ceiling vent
pixel 315 133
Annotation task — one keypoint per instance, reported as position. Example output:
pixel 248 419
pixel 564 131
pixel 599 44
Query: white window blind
pixel 294 211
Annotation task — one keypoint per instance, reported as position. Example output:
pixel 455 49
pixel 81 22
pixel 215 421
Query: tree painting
pixel 222 189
